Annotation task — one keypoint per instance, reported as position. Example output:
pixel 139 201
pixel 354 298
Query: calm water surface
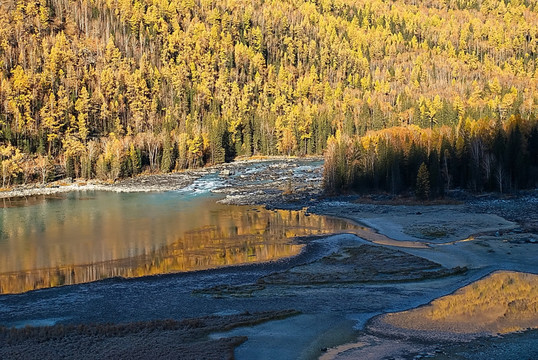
pixel 48 241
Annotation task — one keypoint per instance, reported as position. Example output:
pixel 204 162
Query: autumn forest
pixel 111 88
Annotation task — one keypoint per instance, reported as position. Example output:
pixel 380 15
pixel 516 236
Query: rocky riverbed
pixel 269 181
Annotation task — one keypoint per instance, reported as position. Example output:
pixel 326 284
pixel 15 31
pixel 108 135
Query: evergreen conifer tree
pixel 422 189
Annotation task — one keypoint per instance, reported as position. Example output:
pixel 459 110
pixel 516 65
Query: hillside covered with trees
pixel 111 88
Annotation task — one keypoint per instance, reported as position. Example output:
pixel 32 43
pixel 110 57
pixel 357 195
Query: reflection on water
pixel 87 236
pixel 500 303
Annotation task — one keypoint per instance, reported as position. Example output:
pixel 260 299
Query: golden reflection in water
pixel 96 247
pixel 500 303
pixel 378 238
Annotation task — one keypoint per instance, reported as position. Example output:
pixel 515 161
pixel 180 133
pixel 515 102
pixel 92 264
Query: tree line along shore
pixel 483 155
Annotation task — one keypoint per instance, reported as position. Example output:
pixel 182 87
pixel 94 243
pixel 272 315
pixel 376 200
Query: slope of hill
pixel 108 88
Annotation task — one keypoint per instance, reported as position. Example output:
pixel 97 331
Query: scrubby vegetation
pixel 109 89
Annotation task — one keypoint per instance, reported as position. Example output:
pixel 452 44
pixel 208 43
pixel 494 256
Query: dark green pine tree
pixel 70 167
pixel 515 152
pixel 216 137
pixel 436 180
pixel 135 160
pixel 499 153
pixel 166 160
pixel 246 149
pixel 422 188
pixel 416 156
pixel 532 149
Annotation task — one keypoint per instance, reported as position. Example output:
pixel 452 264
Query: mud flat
pixel 493 300
pixel 166 339
pixel 353 272
pixel 451 235
pixel 350 263
pixel 514 346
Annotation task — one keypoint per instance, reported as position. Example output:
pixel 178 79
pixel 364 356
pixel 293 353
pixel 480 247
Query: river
pixel 154 254
pixel 79 237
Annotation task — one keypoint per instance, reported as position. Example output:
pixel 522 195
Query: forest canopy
pixel 110 88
